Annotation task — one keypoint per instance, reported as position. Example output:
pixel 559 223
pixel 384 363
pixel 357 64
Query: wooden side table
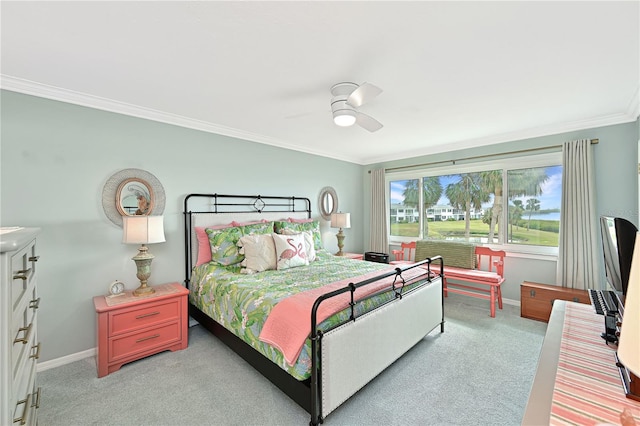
pixel 133 327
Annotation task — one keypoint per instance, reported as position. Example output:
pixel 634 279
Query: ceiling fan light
pixel 344 118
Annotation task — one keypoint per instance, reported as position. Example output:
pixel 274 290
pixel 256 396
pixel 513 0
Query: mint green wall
pixel 616 165
pixel 55 160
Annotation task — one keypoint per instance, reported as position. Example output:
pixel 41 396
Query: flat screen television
pixel 618 240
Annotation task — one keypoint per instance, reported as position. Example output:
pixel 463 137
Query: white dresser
pixel 19 346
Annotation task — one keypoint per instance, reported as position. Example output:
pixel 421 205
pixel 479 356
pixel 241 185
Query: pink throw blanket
pixel 289 323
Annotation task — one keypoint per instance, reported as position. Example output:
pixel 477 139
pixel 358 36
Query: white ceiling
pixel 454 74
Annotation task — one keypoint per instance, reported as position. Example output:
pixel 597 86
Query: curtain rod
pixel 477 157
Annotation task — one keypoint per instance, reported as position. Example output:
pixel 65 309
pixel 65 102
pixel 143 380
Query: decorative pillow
pixel 259 253
pixel 256 228
pixel 294 220
pixel 234 223
pixel 224 249
pixel 290 251
pixel 313 227
pixel 308 242
pixel 204 246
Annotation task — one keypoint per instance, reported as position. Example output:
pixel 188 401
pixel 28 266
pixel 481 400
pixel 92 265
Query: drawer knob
pixel 22 275
pixel 155 336
pixel 27 333
pixel 23 419
pixel 36 403
pixel 150 314
pixel 532 293
pixel 35 355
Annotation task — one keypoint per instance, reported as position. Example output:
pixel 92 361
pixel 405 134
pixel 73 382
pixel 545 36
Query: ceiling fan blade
pixel 367 122
pixel 363 94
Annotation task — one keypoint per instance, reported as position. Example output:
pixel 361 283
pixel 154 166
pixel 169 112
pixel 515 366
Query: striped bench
pixel 468 263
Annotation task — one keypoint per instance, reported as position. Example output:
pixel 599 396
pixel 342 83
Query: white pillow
pixel 259 253
pixel 290 251
pixel 308 242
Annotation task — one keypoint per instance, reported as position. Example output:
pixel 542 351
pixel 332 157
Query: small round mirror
pixel 327 202
pixel 134 197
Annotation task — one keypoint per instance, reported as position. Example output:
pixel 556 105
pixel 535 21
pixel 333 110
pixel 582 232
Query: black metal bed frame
pixel 306 393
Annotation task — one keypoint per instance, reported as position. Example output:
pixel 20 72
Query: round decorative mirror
pixel 132 192
pixel 134 197
pixel 327 202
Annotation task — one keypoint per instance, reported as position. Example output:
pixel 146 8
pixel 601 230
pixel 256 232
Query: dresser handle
pixel 148 338
pixel 147 315
pixel 34 258
pixel 36 403
pixel 532 293
pixel 34 304
pixel 22 275
pixel 25 410
pixel 27 334
pixel 37 354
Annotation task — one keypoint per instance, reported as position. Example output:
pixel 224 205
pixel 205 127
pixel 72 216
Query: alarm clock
pixel 116 288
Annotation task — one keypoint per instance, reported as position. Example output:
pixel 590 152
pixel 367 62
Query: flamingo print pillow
pixel 290 251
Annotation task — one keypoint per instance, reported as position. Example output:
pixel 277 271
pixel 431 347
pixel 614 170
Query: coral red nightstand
pixel 356 256
pixel 133 327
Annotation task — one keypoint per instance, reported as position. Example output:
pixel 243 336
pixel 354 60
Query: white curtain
pixel 378 240
pixel 578 248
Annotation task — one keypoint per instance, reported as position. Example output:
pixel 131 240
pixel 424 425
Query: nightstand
pixel 356 256
pixel 133 327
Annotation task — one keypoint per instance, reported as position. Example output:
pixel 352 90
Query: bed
pixel 318 326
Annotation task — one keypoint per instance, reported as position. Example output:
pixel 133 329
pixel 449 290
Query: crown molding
pixel 536 132
pixel 28 87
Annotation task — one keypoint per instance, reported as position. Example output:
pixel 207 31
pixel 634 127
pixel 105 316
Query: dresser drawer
pixel 24 332
pixel 23 272
pixel 132 319
pixel 132 345
pixel 536 300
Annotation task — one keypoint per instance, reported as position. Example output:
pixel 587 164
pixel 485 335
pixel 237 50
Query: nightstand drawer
pixel 134 319
pixel 22 272
pixel 124 347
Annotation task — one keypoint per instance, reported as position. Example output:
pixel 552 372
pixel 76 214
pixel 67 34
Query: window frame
pixel 505 164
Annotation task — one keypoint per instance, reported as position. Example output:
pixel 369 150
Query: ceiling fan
pixel 347 97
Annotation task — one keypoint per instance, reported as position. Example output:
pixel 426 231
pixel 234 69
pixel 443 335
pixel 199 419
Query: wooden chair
pixel 405 248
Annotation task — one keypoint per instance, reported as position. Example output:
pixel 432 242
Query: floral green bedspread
pixel 241 302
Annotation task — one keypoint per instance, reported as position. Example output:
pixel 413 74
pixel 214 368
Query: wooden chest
pixel 536 300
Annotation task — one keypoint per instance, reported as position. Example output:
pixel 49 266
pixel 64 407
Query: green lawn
pixel 449 229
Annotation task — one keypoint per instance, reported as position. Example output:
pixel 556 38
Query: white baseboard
pixel 510 302
pixel 68 359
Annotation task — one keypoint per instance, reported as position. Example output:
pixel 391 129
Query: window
pixel 474 202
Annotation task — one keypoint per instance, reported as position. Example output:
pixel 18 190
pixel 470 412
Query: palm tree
pixel 533 205
pixel 491 183
pixel 466 193
pixel 515 214
pixel 431 192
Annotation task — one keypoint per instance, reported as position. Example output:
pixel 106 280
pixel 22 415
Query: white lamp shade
pixel 340 220
pixel 629 345
pixel 143 229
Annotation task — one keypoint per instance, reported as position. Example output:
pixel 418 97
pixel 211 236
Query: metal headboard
pixel 242 207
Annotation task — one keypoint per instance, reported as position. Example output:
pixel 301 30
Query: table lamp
pixel 340 220
pixel 143 230
pixel 628 354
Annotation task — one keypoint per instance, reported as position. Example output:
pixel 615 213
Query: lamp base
pixel 143 290
pixel 340 237
pixel 143 264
